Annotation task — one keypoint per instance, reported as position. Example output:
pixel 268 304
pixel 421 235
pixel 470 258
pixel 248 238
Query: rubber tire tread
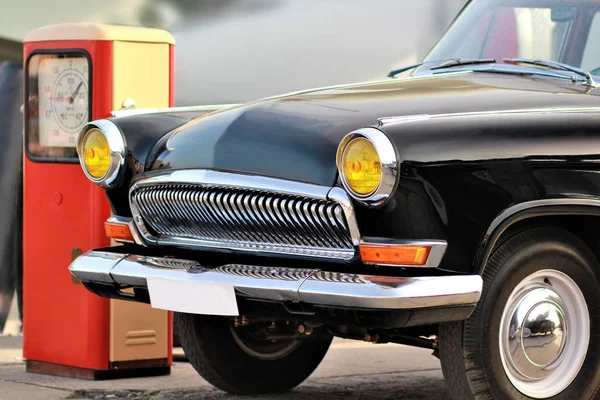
pixel 209 345
pixel 460 352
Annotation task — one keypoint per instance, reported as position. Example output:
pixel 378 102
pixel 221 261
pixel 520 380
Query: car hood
pixel 295 136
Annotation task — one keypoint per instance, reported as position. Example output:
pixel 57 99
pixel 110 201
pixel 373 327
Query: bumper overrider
pixel 114 272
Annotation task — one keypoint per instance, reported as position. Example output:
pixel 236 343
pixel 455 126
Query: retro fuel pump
pixel 75 73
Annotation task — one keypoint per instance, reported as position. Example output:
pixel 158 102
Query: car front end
pixel 260 238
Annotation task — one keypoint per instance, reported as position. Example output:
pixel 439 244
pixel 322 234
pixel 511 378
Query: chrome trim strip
pixel 311 252
pixel 384 121
pixel 287 284
pixel 518 212
pixel 403 118
pixel 340 196
pixel 438 249
pixel 118 151
pixel 170 110
pixel 390 165
pixel 528 205
pixel 144 235
pixel 209 178
pixel 217 179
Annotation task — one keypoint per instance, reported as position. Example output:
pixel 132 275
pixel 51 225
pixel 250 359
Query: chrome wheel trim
pixel 561 330
pixel 266 352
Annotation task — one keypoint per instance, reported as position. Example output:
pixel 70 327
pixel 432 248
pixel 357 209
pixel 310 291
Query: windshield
pixel 556 30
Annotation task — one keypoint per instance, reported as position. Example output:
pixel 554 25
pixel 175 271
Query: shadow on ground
pixel 380 387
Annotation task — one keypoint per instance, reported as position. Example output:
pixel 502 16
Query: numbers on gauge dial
pixel 63 100
pixel 70 100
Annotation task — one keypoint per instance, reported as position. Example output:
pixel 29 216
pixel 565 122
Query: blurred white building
pixel 239 50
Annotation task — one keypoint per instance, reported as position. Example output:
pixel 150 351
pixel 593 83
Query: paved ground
pixel 351 370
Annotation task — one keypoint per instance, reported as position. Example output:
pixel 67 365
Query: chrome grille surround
pixel 219 210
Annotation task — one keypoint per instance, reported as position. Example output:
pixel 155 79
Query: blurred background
pixel 240 50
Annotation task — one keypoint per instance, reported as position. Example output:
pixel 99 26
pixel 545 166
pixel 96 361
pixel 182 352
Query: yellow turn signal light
pixel 118 231
pixel 361 166
pixel 383 254
pixel 96 153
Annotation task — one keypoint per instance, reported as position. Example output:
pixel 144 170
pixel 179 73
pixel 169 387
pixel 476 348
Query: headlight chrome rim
pixel 118 151
pixel 390 167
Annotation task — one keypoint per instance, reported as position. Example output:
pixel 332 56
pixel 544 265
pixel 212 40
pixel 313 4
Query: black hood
pixel 296 136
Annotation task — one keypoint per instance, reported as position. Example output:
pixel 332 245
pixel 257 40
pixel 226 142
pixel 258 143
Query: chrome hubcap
pixel 537 333
pixel 544 334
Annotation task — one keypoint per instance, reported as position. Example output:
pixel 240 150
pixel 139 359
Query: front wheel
pixel 243 360
pixel 534 333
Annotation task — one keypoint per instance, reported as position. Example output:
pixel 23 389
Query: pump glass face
pixel 58 106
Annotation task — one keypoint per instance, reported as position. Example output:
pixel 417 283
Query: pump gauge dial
pixel 59 89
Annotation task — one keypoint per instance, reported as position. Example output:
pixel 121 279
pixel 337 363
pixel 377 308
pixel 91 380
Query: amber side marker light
pixel 382 254
pixel 118 231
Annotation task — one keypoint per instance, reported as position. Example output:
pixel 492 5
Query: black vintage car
pixel 455 206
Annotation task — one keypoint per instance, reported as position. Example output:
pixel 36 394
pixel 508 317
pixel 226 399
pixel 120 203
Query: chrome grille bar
pixel 244 218
pixel 241 215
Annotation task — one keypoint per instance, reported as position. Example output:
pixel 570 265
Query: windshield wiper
pixel 555 65
pixel 400 70
pixel 446 64
pixel 464 61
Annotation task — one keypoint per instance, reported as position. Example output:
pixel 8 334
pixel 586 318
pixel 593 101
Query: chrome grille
pixel 242 218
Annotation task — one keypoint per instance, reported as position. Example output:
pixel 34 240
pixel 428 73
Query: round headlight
pixel 101 150
pixel 361 166
pixel 368 166
pixel 96 153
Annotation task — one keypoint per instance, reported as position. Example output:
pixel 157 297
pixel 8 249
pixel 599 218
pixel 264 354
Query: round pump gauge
pixel 59 102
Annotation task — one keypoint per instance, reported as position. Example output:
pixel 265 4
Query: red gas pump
pixel 75 73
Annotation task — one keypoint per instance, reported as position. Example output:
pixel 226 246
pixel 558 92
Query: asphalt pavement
pixel 351 370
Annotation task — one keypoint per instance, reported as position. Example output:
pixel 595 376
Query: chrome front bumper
pixel 311 286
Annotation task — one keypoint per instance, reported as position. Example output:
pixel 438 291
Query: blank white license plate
pixel 193 297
